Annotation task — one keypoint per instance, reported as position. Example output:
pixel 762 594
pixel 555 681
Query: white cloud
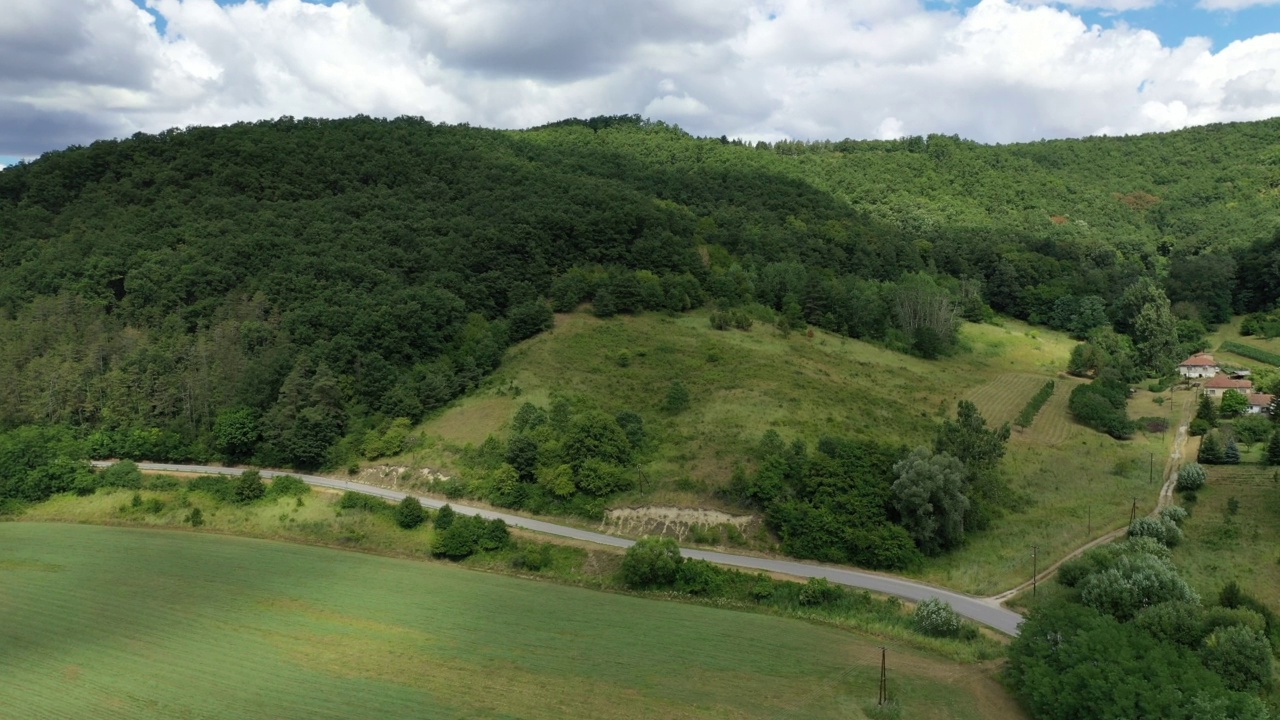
pixel 1233 4
pixel 999 71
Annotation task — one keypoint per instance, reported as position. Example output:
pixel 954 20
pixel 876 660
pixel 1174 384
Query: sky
pixel 74 71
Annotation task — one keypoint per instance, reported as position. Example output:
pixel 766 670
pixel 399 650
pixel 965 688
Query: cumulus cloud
pixel 75 70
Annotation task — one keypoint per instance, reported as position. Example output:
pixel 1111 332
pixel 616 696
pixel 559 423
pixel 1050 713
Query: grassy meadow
pixel 134 623
pixel 1243 546
pixel 743 383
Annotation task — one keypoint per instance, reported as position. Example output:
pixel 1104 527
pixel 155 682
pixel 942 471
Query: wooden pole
pixel 1034 569
pixel 884 681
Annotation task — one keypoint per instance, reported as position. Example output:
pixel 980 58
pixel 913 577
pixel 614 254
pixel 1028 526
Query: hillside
pixel 1074 482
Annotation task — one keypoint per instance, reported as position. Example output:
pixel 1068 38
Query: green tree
pixel 1273 449
pixel 677 399
pixel 1233 403
pixel 249 487
pixel 929 497
pixel 969 440
pixel 409 513
pixel 651 562
pixel 1231 453
pixel 1155 337
pixel 1207 411
pixel 596 436
pixel 1241 656
pixel 1212 450
pixel 1191 477
pixel 196 517
pixel 235 433
pixel 445 517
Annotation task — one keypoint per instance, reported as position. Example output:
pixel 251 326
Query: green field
pixel 130 623
pixel 1244 547
pixel 744 383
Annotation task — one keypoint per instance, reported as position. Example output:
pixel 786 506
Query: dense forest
pixel 274 291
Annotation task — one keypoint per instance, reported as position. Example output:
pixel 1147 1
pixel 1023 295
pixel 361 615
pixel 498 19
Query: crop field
pixel 1001 399
pixel 1053 424
pixel 131 623
pixel 1243 546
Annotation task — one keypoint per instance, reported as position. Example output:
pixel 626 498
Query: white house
pixel 1220 384
pixel 1199 366
pixel 1260 403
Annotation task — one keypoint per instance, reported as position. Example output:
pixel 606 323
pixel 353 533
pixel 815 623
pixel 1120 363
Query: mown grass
pixel 1245 546
pixel 744 383
pixel 123 622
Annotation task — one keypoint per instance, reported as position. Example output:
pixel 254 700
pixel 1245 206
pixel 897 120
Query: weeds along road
pixel 979 610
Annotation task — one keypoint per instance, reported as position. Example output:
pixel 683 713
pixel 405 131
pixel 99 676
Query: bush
pixel 1029 411
pixel 287 486
pixel 1174 622
pixel 469 534
pixel 1253 428
pixel 1191 477
pixel 218 487
pixel 699 577
pixel 249 487
pixel 819 591
pixel 359 501
pixel 1159 529
pixel 409 513
pixel 195 518
pixel 1199 427
pixel 534 557
pixel 936 618
pixel 1174 514
pixel 1133 583
pixel 445 517
pixel 651 562
pixel 677 399
pixel 124 474
pixel 1241 656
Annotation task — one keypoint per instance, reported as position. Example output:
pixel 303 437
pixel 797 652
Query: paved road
pixel 984 611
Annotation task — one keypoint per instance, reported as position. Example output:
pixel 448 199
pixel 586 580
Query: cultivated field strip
pixel 1003 398
pixel 128 623
pixel 1053 424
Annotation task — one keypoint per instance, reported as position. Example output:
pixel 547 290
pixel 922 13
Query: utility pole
pixel 1151 467
pixel 1089 532
pixel 1133 514
pixel 1034 569
pixel 884 679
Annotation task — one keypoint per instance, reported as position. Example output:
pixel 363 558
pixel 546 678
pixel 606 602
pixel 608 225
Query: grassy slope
pixel 115 622
pixel 1244 547
pixel 743 383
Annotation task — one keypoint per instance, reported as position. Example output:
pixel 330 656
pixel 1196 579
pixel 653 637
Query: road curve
pixel 979 610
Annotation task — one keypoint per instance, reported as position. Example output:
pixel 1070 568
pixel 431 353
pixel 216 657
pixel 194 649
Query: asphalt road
pixel 984 611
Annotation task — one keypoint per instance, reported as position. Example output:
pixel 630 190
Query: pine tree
pixel 1211 450
pixel 1273 449
pixel 1207 412
pixel 1231 456
pixel 409 513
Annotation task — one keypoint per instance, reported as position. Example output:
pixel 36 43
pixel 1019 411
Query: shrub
pixel 651 562
pixel 219 487
pixel 1159 529
pixel 445 517
pixel 936 618
pixel 461 540
pixel 1174 514
pixel 699 577
pixel 287 486
pixel 1028 414
pixel 534 557
pixel 1199 427
pixel 409 513
pixel 195 518
pixel 359 501
pixel 819 591
pixel 677 399
pixel 1241 656
pixel 1133 583
pixel 124 474
pixel 494 535
pixel 1175 622
pixel 249 487
pixel 1191 477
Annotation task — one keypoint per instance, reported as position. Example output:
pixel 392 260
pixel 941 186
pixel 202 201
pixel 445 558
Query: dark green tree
pixel 651 562
pixel 1212 449
pixel 1207 411
pixel 249 487
pixel 1273 449
pixel 409 513
pixel 929 497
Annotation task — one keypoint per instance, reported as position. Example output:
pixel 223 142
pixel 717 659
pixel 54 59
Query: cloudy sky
pixel 72 71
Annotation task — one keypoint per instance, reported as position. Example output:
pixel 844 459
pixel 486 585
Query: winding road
pixel 982 610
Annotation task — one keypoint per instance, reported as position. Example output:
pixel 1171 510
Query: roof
pixel 1222 382
pixel 1200 360
pixel 1261 399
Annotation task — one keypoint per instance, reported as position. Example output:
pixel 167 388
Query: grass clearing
pixel 121 622
pixel 1003 398
pixel 1244 546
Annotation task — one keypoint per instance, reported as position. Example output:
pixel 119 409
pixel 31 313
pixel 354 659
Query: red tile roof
pixel 1222 382
pixel 1200 360
pixel 1260 399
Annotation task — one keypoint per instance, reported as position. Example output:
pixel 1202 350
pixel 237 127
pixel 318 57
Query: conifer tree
pixel 1273 449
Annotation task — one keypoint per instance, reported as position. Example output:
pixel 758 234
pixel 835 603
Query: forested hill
pixel 269 289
